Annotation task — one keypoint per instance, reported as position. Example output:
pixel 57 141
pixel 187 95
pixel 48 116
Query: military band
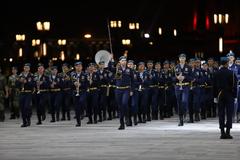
pixel 136 93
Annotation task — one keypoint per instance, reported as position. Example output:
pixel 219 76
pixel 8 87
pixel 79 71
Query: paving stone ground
pixel 155 140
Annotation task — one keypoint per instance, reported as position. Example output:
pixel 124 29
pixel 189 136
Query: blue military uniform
pixel 197 86
pixel 210 107
pixel 166 93
pixel 233 67
pixel 104 91
pixel 124 77
pixel 80 92
pixel 42 85
pixel 92 96
pixel 153 92
pixel 55 94
pixel 134 103
pixel 26 86
pixel 143 94
pixel 225 93
pixel 66 93
pixel 182 89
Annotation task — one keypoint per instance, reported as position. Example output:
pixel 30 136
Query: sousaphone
pixel 103 55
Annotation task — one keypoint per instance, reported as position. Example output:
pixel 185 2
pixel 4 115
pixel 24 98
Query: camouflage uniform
pixel 3 84
pixel 13 96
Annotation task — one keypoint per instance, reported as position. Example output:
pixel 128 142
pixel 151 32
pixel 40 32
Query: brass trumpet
pixel 77 87
pixel 118 74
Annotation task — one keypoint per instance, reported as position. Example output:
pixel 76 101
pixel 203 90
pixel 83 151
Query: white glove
pixel 131 93
pixel 215 100
pixel 235 100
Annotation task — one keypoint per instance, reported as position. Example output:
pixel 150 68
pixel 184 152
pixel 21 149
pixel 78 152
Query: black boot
pixel 140 118
pixel 180 120
pixel 197 118
pixel 190 118
pixel 148 117
pixel 2 116
pixel 238 117
pixel 90 120
pixel 223 134
pixel 29 121
pixel 39 120
pixel 228 135
pixel 144 118
pixel 95 119
pixel 104 116
pixel 129 121
pixel 63 117
pixel 100 118
pixel 12 116
pixel 135 120
pixel 24 123
pixel 53 118
pixel 122 125
pixel 78 118
pixel 57 116
pixel 68 116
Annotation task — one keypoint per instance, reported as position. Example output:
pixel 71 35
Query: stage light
pixel 10 59
pixel 151 43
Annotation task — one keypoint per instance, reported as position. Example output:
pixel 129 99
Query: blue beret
pixel 238 58
pixel 150 61
pixel 197 59
pixel 65 64
pixel 54 67
pixel 182 55
pixel 14 67
pixel 230 54
pixel 223 59
pixel 27 64
pixel 77 63
pixel 91 64
pixel 211 58
pixel 158 63
pixel 191 59
pixel 130 61
pixel 141 63
pixel 40 65
pixel 123 58
pixel 166 62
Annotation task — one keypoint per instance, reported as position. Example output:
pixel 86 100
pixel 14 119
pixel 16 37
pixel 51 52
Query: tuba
pixel 104 56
